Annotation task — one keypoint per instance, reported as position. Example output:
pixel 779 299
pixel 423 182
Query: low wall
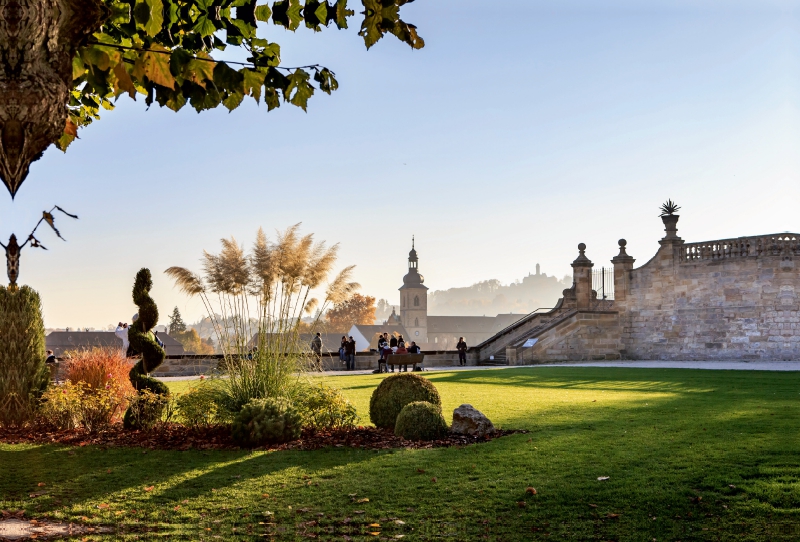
pixel 197 365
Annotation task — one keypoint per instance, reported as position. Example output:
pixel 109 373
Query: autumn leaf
pixel 124 83
pixel 433 479
pixel 41 484
pixel 362 500
pixel 421 471
pixel 522 504
pixel 102 506
pixel 530 490
pixel 149 488
pixel 603 478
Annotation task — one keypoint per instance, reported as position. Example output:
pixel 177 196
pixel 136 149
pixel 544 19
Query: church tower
pixel 414 301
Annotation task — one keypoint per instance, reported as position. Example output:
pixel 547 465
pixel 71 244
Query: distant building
pixel 429 332
pixel 62 341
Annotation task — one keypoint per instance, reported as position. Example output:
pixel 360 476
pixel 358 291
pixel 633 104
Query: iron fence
pixel 603 283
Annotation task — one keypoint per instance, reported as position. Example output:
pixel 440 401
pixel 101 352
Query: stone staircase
pixel 498 361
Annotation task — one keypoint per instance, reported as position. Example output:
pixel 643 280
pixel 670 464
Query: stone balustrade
pixel 777 244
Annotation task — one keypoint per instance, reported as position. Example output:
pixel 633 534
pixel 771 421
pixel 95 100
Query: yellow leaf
pixel 363 500
pixel 154 64
pixel 124 83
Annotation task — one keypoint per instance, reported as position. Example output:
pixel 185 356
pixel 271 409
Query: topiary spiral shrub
pixel 23 373
pixel 421 420
pixel 266 421
pixel 142 341
pixel 397 391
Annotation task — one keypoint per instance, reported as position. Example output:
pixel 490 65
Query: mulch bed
pixel 179 437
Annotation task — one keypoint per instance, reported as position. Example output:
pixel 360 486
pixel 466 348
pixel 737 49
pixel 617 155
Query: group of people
pixel 394 345
pixel 347 352
pixel 122 333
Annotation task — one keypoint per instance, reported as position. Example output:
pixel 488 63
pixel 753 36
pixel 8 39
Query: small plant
pixel 199 406
pixel 394 393
pixel 145 410
pixel 421 420
pixel 669 208
pixel 322 407
pixel 78 404
pixel 266 421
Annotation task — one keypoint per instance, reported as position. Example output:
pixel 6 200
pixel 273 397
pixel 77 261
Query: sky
pixel 523 128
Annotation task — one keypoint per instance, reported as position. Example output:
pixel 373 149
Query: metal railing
pixel 776 244
pixel 603 283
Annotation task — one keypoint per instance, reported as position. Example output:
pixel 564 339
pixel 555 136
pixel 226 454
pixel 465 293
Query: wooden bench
pixel 404 360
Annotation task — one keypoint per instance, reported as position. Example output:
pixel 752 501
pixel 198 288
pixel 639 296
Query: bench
pixel 403 360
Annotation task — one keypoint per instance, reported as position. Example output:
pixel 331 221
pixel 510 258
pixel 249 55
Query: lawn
pixel 689 455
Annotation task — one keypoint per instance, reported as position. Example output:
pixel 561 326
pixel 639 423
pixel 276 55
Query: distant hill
pixel 490 297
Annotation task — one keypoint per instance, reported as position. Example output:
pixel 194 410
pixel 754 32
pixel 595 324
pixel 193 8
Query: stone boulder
pixel 467 420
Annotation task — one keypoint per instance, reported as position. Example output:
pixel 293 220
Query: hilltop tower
pixel 414 301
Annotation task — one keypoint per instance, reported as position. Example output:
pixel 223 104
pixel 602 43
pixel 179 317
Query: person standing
pixel 122 333
pixel 462 351
pixel 350 356
pixel 343 349
pixel 316 348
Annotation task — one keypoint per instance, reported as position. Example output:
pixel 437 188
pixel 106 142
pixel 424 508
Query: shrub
pixel 421 420
pixel 265 421
pixel 78 404
pixel 397 391
pixel 23 373
pixel 145 410
pixel 99 367
pixel 322 407
pixel 199 406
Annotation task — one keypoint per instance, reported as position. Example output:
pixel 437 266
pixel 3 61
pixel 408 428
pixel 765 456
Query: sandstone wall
pixel 584 336
pixel 730 308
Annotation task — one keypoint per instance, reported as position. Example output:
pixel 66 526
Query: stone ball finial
pixel 622 243
pixel 582 247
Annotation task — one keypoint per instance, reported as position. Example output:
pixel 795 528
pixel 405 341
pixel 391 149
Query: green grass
pixel 664 437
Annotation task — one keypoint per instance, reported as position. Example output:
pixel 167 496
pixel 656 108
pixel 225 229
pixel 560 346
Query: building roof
pixel 61 341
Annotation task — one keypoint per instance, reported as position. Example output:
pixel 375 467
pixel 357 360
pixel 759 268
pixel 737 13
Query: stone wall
pixel 740 306
pixel 583 336
pixel 729 299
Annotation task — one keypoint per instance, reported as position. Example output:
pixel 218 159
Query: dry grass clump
pixel 101 368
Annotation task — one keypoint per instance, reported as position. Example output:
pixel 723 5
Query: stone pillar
pixel 671 243
pixel 623 264
pixel 582 278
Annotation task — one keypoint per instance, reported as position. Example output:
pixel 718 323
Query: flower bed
pixel 179 437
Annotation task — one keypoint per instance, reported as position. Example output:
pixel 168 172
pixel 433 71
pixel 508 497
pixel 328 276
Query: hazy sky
pixel 521 129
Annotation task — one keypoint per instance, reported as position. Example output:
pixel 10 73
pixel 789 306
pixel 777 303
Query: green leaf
pixel 327 81
pixel 204 26
pixel 321 13
pixel 199 71
pixel 299 89
pixel 227 78
pixel 253 81
pixel 233 100
pixel 178 61
pixel 342 13
pixel 263 13
pixel 149 15
pixel 287 14
pixel 78 67
pixel 271 98
pixel 95 58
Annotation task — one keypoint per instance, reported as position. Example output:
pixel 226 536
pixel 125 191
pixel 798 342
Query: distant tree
pixel 176 323
pixel 383 310
pixel 192 342
pixel 358 309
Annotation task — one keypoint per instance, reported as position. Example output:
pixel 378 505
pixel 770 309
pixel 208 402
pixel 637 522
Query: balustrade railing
pixel 777 244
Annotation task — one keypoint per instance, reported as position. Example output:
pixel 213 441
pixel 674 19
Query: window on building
pixel 416 301
pixel 416 322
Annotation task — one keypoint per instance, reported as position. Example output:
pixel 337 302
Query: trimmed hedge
pixel 421 420
pixel 394 393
